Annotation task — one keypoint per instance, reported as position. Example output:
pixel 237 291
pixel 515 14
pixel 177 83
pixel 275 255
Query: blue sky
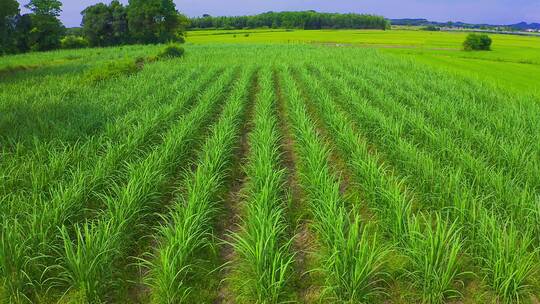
pixel 473 11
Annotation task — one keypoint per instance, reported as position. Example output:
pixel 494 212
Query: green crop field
pixel 273 172
pixel 514 62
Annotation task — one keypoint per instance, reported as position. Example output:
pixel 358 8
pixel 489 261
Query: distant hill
pixel 414 22
pixel 525 25
pixel 424 22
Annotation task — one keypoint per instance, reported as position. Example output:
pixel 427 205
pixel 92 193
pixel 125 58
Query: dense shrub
pixel 74 42
pixel 113 69
pixel 171 51
pixel 431 28
pixel 477 42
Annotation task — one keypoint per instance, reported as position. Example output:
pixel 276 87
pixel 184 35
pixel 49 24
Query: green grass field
pixel 513 63
pixel 271 172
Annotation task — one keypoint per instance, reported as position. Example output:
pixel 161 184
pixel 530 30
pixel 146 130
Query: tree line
pixel 143 22
pixel 39 30
pixel 300 20
pixel 140 21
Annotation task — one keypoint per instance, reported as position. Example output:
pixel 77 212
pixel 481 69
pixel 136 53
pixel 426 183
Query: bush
pixel 180 39
pixel 171 51
pixel 431 28
pixel 246 35
pixel 113 69
pixel 477 42
pixel 73 42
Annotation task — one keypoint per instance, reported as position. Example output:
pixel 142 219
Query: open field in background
pixel 267 173
pixel 514 62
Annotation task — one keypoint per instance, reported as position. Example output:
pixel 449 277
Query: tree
pixel 74 31
pixel 105 25
pixel 431 28
pixel 22 34
pixel 46 33
pixel 9 10
pixel 304 20
pixel 46 29
pixel 119 23
pixel 154 21
pixel 45 7
pixel 97 24
pixel 477 42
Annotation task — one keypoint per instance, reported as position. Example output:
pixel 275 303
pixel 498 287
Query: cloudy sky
pixel 473 11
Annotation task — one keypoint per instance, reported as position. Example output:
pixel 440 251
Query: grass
pixel 263 268
pixel 433 267
pixel 68 200
pixel 189 228
pixel 351 259
pixel 417 183
pixel 509 65
pixel 128 205
pixel 113 69
pixel 508 259
pixel 434 248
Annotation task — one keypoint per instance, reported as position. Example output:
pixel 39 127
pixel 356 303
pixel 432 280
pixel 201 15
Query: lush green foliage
pixel 192 217
pixel 341 174
pixel 477 42
pixel 105 25
pixel 431 28
pixel 144 22
pixel 73 42
pixel 154 21
pixel 434 248
pixel 171 51
pixel 45 7
pixel 303 20
pixel 39 31
pixel 351 256
pixel 263 268
pixel 113 69
pixel 46 32
pixel 9 9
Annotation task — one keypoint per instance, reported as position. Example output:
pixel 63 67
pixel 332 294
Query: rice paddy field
pixel 265 173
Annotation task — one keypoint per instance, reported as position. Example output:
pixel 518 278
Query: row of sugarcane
pixel 36 257
pixel 434 202
pixel 32 168
pixel 460 223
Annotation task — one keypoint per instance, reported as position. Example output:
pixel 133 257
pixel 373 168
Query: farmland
pixel 514 62
pixel 269 173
